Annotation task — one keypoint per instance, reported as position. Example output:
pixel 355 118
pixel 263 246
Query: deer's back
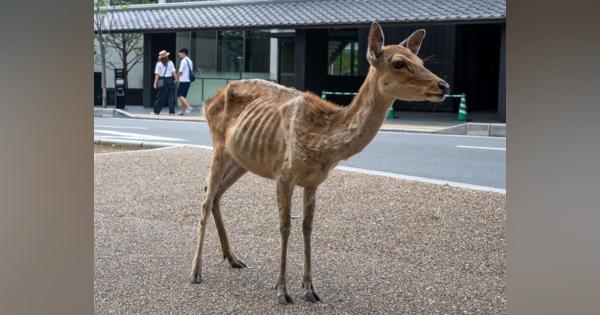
pixel 245 117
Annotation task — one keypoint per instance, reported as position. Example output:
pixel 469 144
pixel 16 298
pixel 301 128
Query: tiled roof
pixel 297 13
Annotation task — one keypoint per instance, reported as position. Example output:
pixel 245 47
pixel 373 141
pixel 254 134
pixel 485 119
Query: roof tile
pixel 261 13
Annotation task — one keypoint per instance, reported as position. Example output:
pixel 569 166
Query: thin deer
pixel 296 138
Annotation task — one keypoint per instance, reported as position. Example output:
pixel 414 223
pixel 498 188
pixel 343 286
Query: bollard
pixel 390 113
pixel 462 109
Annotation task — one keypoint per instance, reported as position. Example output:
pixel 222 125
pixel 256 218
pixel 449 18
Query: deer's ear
pixel 413 42
pixel 375 43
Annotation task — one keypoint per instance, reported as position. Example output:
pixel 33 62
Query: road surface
pixel 466 160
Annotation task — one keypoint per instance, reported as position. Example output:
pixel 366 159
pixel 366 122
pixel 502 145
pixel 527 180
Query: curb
pixel 113 112
pixel 119 113
pixel 407 130
pixel 476 129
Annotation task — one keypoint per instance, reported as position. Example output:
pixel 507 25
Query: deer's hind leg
pixel 218 167
pixel 232 174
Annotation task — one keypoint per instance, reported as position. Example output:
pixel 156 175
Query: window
pixel 221 56
pixel 343 52
pixel 342 58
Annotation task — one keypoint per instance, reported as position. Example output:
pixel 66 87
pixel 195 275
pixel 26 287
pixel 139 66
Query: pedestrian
pixel 165 78
pixel 185 77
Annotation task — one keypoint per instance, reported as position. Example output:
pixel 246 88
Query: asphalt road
pixel 461 159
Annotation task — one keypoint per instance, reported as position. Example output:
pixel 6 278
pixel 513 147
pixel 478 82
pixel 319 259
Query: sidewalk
pixel 422 122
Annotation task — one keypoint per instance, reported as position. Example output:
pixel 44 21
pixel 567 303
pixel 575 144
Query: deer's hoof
pixel 283 297
pixel 311 295
pixel 237 264
pixel 196 277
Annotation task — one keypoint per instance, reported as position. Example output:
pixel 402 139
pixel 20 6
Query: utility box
pixel 119 89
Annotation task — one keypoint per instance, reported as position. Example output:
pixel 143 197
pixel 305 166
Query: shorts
pixel 182 89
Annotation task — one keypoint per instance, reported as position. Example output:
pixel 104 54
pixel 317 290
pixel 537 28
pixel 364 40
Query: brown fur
pixel 296 138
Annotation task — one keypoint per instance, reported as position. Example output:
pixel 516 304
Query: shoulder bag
pixel 160 83
pixel 192 76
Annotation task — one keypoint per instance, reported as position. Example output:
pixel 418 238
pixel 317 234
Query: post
pixel 502 77
pixel 148 71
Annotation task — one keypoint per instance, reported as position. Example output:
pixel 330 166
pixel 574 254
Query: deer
pixel 296 138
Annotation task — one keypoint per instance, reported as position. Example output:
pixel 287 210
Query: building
pixel 319 45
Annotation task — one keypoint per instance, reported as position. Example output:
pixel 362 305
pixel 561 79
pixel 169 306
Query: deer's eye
pixel 398 64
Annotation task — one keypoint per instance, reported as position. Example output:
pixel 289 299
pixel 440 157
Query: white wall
pixel 136 75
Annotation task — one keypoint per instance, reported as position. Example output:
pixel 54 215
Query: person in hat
pixel 165 78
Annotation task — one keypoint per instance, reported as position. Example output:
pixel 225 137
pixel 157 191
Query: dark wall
pixel 438 49
pixel 466 56
pixel 311 59
pixel 478 65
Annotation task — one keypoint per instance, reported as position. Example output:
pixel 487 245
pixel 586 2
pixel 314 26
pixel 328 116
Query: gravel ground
pixel 380 245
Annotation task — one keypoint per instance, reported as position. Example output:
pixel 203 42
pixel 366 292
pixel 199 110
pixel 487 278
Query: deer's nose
pixel 445 87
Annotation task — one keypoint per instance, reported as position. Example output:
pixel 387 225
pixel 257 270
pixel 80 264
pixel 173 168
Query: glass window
pixel 204 51
pixel 222 56
pixel 230 50
pixel 343 53
pixel 257 53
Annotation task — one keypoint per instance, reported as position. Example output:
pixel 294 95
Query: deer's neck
pixel 363 118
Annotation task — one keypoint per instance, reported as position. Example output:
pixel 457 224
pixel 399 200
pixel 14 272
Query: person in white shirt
pixel 186 67
pixel 165 78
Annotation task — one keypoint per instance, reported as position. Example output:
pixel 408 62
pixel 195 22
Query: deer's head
pixel 399 73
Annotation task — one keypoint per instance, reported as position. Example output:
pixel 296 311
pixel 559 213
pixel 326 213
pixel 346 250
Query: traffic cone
pixel 462 109
pixel 390 113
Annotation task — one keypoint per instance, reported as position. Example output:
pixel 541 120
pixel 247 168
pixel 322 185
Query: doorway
pixel 157 42
pixel 478 66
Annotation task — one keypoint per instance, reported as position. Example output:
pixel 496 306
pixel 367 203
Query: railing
pixel 325 93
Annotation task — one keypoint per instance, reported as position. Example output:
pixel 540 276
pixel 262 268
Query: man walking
pixel 185 75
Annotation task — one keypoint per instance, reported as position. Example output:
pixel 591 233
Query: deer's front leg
pixel 309 213
pixel 285 189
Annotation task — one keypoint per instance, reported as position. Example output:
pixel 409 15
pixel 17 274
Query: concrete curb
pixel 475 129
pixel 407 130
pixel 113 112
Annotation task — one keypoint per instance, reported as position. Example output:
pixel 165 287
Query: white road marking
pixel 480 148
pixel 342 168
pixel 120 127
pixel 133 136
pixel 421 179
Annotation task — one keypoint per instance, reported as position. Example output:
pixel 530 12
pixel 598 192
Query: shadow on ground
pixel 380 245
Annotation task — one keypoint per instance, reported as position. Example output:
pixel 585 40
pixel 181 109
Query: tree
pixel 103 22
pixel 127 46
